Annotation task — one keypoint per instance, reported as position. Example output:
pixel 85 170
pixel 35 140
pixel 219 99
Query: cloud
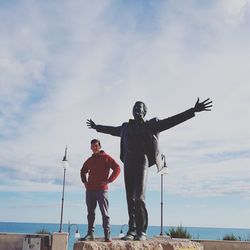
pixel 234 11
pixel 64 63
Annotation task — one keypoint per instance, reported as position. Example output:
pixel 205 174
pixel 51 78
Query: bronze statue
pixel 138 151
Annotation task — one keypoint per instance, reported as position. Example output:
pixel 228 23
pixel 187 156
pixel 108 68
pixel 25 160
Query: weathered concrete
pixel 12 241
pixel 156 243
pixel 225 245
pixel 59 241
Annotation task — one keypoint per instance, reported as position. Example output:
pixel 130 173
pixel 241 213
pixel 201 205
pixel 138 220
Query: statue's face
pixel 138 111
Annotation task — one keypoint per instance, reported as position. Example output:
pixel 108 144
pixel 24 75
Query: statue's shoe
pixel 129 236
pixel 141 237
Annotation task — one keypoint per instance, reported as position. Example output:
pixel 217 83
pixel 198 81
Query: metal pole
pixel 69 228
pixel 64 172
pixel 161 204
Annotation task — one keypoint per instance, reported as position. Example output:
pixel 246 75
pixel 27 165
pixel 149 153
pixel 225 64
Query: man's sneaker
pixel 129 236
pixel 89 236
pixel 107 237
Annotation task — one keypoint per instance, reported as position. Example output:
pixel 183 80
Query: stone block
pixel 59 241
pixel 156 243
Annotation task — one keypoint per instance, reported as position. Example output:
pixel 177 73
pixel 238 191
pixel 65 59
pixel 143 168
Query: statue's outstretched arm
pixel 115 131
pixel 172 121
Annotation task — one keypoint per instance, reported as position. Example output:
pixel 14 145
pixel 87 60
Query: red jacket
pixel 98 167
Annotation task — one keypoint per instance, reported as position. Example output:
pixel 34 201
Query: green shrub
pixel 231 237
pixel 42 231
pixel 179 232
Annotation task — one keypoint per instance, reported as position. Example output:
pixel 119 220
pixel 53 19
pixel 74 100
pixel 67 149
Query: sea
pixel 196 232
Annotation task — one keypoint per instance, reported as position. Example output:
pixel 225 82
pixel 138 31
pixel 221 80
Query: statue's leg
pixel 129 185
pixel 141 214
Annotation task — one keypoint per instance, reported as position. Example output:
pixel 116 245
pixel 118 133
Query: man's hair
pixel 143 104
pixel 95 141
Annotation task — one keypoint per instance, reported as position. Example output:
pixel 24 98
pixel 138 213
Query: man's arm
pixel 116 170
pixel 83 174
pixel 172 121
pixel 115 131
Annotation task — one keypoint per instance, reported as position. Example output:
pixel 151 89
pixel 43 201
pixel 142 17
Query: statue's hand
pixel 203 106
pixel 91 124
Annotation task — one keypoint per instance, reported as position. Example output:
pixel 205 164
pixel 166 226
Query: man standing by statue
pixel 95 177
pixel 139 150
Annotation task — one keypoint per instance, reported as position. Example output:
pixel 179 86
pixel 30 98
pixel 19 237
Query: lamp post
pixel 65 165
pixel 77 233
pixel 163 171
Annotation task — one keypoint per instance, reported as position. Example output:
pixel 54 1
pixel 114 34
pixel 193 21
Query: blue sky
pixel 63 62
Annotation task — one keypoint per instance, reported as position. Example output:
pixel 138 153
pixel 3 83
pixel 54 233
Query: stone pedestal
pixel 156 243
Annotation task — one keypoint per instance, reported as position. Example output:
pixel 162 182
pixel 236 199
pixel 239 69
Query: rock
pixel 156 243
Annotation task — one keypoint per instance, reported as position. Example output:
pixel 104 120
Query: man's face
pixel 138 111
pixel 95 147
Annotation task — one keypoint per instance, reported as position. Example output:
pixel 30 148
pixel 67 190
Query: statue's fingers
pixel 207 109
pixel 89 125
pixel 89 121
pixel 206 100
pixel 208 106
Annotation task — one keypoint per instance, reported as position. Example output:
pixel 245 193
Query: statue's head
pixel 139 110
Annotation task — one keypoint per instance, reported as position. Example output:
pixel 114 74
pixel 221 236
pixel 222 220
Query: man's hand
pixel 91 124
pixel 105 183
pixel 203 106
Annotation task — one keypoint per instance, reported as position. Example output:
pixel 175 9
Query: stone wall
pixel 56 241
pixel 225 245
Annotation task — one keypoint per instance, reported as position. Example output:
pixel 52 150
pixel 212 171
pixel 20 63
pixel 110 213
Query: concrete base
pixel 225 245
pixel 59 241
pixel 156 243
pixel 12 241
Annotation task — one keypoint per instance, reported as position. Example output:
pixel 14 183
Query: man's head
pixel 139 110
pixel 95 146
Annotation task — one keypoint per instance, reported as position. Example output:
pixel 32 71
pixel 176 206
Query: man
pixel 97 167
pixel 139 150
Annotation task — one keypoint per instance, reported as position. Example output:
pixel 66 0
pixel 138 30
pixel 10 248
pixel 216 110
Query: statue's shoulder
pixel 152 123
pixel 125 124
pixel 153 120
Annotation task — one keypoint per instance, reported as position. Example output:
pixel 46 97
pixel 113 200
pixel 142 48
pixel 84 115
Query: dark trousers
pixel 100 197
pixel 135 175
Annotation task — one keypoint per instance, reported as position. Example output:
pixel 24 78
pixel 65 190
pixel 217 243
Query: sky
pixel 63 62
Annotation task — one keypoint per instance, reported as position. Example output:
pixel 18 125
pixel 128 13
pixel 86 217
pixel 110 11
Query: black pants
pixel 135 174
